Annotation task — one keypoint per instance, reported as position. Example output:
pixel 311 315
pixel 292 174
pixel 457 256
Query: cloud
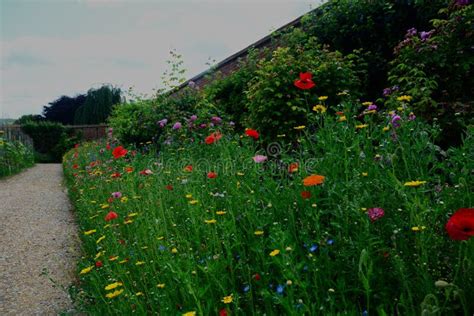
pixel 38 69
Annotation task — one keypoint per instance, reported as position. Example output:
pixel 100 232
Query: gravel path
pixel 37 233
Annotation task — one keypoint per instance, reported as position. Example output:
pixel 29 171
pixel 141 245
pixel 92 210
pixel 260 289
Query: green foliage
pixel 51 140
pixel 14 156
pixel 182 242
pixel 276 106
pixel 228 93
pixel 374 26
pixel 29 117
pixel 138 122
pixel 437 71
pixel 98 105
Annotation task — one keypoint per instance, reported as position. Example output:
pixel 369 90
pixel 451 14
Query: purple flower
pixel 411 32
pixel 259 158
pixel 387 92
pixel 177 125
pixel 193 118
pixel 395 120
pixel 162 122
pixel 216 120
pixel 117 195
pixel 372 107
pixel 462 2
pixel 426 35
pixel 203 125
pixel 375 213
pixel 411 116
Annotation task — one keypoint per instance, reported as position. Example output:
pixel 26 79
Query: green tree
pixel 98 105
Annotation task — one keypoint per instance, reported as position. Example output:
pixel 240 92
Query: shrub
pixel 50 139
pixel 14 156
pixel 276 106
pixel 435 67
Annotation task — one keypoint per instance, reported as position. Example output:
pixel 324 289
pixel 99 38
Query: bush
pixel 374 26
pixel 50 139
pixel 276 106
pixel 14 156
pixel 435 68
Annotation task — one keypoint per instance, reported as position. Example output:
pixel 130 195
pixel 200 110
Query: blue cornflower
pixel 280 289
pixel 313 248
pixel 330 242
pixel 246 288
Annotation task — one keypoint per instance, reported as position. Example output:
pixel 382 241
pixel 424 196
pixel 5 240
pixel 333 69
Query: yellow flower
pixel 227 299
pixel 190 313
pixel 274 253
pixel 210 221
pixel 174 250
pixel 100 253
pixel 367 103
pixel 193 202
pixel 299 127
pixel 323 98
pixel 418 228
pixel 113 258
pixel 161 286
pixel 342 118
pixel 386 128
pixel 365 174
pixel 160 238
pixel 103 206
pixel 139 263
pixel 220 212
pixel 132 214
pixel 124 199
pixel 100 239
pixel 404 98
pixel 128 221
pixel 123 261
pixel 112 286
pixel 89 232
pixel 319 108
pixel 240 174
pixel 139 294
pixel 86 270
pixel 258 232
pixel 360 126
pixel 289 282
pixel 189 196
pixel 370 112
pixel 114 294
pixel 414 183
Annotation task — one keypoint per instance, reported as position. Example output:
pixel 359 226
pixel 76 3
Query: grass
pixel 249 241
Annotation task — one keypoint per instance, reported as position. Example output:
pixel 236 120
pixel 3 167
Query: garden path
pixel 38 243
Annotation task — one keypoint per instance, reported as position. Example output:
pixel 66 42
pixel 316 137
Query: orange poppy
pixel 314 179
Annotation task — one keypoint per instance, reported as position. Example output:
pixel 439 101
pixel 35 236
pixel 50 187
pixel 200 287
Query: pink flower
pixel 259 158
pixel 375 213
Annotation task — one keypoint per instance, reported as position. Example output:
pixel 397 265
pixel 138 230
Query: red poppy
pixel 116 175
pixel 146 172
pixel 98 264
pixel 461 224
pixel 129 169
pixel 188 168
pixel 257 277
pixel 214 137
pixel 110 199
pixel 305 81
pixel 107 146
pixel 252 133
pixel 119 152
pixel 339 113
pixel 75 166
pixel 212 175
pixel 76 146
pixel 293 167
pixel 306 194
pixel 169 187
pixel 223 312
pixel 110 216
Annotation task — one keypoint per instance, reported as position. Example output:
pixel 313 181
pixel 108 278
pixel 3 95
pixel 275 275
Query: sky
pixel 50 48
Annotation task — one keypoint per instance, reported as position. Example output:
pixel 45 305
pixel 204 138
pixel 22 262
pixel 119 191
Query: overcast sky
pixel 53 48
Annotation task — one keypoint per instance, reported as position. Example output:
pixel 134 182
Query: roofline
pixel 242 52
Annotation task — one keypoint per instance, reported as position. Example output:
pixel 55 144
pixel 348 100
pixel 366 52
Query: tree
pixel 29 118
pixel 62 110
pixel 98 105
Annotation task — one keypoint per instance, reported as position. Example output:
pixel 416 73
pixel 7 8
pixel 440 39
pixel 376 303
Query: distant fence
pixel 88 132
pixel 15 134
